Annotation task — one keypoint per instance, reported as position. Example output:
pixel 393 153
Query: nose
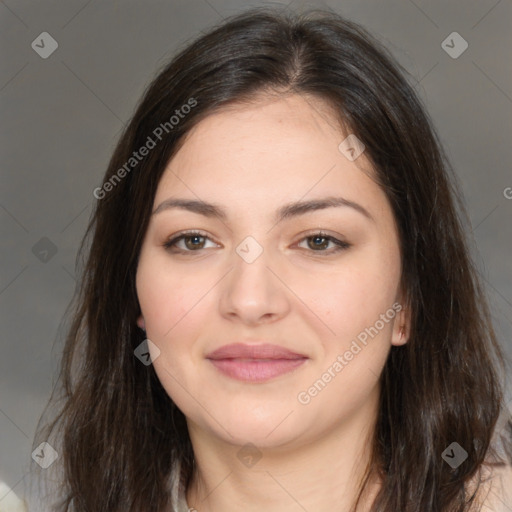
pixel 254 292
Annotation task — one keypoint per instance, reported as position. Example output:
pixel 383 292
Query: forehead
pixel 268 122
pixel 271 150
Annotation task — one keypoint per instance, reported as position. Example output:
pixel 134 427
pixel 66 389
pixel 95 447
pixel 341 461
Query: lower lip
pixel 256 370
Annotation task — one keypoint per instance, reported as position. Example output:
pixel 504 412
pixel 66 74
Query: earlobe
pixel 401 327
pixel 401 336
pixel 141 323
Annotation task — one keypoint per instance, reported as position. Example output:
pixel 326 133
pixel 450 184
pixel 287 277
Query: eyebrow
pixel 285 212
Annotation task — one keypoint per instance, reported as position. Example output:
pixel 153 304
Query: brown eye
pixel 193 242
pixel 319 242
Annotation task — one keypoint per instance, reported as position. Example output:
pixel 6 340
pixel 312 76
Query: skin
pixel 252 160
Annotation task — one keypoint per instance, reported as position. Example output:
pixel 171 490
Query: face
pixel 320 283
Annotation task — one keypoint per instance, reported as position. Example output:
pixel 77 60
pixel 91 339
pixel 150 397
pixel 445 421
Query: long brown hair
pixel 118 433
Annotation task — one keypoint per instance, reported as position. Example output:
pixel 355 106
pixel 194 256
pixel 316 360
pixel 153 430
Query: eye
pixel 318 242
pixel 195 241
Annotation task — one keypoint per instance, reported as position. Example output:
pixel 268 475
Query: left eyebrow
pixel 302 207
pixel 285 212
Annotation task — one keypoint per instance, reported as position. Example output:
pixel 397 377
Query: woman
pixel 278 310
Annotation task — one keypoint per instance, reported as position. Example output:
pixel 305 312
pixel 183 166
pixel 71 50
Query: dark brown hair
pixel 117 430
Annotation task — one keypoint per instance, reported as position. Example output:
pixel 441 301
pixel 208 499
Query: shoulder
pixel 495 492
pixel 9 501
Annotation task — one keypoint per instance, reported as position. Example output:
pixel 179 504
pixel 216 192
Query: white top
pixel 498 496
pixel 41 494
pixel 497 491
pixel 178 497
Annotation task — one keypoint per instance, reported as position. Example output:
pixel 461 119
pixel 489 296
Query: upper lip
pixel 260 351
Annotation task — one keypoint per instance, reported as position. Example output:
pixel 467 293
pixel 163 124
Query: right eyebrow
pixel 192 205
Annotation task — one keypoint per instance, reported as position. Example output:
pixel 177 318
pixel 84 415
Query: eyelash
pixel 171 244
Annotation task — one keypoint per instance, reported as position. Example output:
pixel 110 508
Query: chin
pixel 263 437
pixel 263 426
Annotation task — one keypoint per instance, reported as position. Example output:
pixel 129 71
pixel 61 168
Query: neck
pixel 324 474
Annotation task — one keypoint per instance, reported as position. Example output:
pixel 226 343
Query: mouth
pixel 255 363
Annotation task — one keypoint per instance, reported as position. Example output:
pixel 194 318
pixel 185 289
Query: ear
pixel 401 324
pixel 141 323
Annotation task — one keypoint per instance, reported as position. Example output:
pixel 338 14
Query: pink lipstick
pixel 255 363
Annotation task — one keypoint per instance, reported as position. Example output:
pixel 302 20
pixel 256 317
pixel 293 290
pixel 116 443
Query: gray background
pixel 60 118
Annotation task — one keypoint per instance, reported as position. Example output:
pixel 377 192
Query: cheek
pixel 166 297
pixel 171 305
pixel 352 297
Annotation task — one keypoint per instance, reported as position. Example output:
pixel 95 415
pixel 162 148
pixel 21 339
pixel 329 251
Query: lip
pixel 260 351
pixel 255 363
